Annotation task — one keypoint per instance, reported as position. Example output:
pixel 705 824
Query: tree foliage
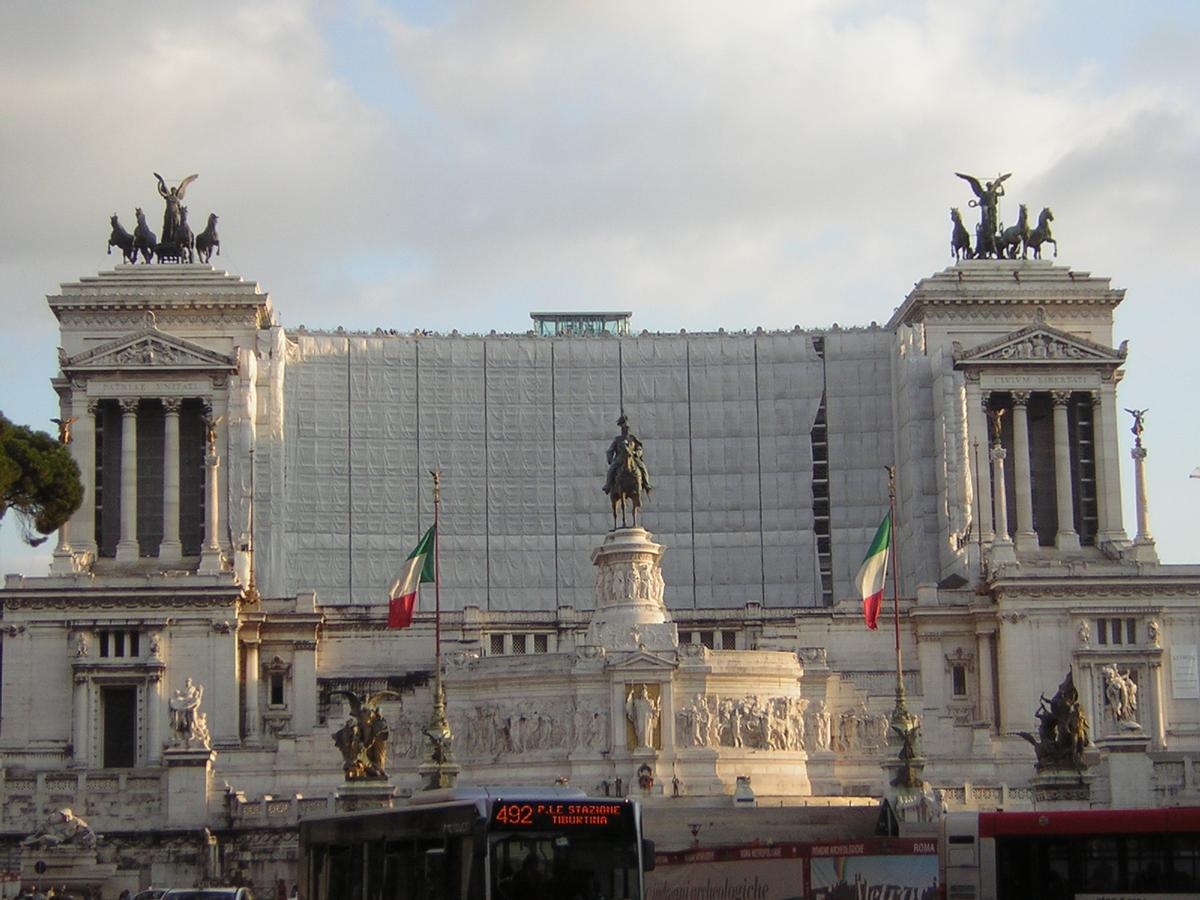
pixel 39 480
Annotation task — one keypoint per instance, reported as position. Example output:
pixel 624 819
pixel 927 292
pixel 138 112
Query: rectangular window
pixel 541 643
pixel 497 644
pixel 518 644
pixel 687 637
pixel 277 689
pixel 1101 631
pixel 104 643
pixel 134 644
pixel 706 639
pixel 1131 631
pixel 1114 628
pixel 958 677
pixel 118 643
pixel 118 709
pixel 728 640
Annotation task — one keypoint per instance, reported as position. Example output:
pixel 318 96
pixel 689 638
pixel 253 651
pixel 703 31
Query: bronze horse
pixel 144 239
pixel 207 240
pixel 123 239
pixel 960 238
pixel 626 489
pixel 1041 234
pixel 184 237
pixel 1015 236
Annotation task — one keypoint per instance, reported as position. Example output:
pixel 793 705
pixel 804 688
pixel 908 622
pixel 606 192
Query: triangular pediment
pixel 149 349
pixel 1039 344
pixel 640 661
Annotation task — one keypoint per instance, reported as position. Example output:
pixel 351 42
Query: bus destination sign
pixel 520 815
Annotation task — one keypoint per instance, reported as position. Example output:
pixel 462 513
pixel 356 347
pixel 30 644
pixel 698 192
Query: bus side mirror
pixel 647 855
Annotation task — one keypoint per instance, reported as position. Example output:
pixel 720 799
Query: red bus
pixel 1071 854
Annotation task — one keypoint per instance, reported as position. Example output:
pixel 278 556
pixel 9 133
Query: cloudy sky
pixel 457 164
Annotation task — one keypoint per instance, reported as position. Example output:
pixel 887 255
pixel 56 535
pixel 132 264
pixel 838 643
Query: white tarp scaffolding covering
pixel 518 426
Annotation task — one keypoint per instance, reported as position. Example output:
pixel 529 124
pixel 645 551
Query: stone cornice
pixel 149 287
pixel 1013 285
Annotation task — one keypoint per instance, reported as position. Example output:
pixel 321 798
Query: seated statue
pixel 63 829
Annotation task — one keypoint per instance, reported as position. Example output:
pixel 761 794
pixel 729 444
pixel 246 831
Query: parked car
pixel 209 893
pixel 150 894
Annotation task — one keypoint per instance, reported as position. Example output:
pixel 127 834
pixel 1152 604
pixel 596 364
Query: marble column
pixel 1143 543
pixel 987 692
pixel 171 550
pixel 79 717
pixel 1112 527
pixel 210 552
pixel 1027 540
pixel 83 449
pixel 252 673
pixel 1158 730
pixel 1002 545
pixel 1099 449
pixel 154 718
pixel 1067 538
pixel 127 546
pixel 977 433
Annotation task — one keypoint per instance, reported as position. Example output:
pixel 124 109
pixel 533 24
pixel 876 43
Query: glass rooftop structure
pixel 553 324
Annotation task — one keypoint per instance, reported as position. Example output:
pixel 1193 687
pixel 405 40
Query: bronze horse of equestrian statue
pixel 122 239
pixel 626 489
pixel 1041 234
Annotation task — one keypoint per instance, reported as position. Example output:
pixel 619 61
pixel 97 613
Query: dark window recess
pixel 728 640
pixel 108 477
pixel 151 425
pixel 497 641
pixel 192 438
pixel 1041 469
pixel 119 712
pixel 959 680
pixel 541 643
pixel 277 690
pixel 1083 465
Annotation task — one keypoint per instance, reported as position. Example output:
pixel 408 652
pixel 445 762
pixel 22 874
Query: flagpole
pixel 904 726
pixel 891 470
pixel 437 579
pixel 439 769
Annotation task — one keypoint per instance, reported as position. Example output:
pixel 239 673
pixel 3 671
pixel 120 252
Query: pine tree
pixel 39 480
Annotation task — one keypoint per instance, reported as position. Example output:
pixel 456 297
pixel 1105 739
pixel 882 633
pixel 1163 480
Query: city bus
pixel 1071 854
pixel 479 844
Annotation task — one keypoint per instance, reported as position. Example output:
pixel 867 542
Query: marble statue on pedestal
pixel 643 711
pixel 188 724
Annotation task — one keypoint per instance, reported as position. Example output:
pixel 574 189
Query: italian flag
pixel 871 576
pixel 418 569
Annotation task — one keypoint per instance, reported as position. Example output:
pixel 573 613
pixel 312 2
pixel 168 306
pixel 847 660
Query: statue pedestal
pixel 630 613
pixel 1061 789
pixel 189 777
pixel 356 796
pixel 1130 770
pixel 438 775
pixel 72 866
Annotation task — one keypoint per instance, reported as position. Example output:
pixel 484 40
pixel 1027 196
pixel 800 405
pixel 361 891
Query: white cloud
pixel 702 164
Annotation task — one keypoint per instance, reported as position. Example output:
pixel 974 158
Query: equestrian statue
pixel 627 477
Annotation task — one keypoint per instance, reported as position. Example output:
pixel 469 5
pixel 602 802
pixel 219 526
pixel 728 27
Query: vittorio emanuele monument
pixel 643 579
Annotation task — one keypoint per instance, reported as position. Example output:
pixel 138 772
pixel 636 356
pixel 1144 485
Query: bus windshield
pixel 576 866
